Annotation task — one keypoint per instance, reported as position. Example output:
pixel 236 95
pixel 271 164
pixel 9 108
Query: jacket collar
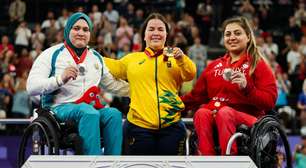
pixel 150 53
pixel 243 58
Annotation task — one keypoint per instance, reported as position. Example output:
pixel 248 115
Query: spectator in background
pixel 301 104
pixel 255 22
pixel 266 52
pixel 38 37
pixel 7 63
pixel 112 15
pixel 59 37
pixel 124 51
pixel 264 14
pixel 138 19
pixel 17 10
pixel 300 151
pixel 5 100
pixel 172 25
pixel 51 33
pixel 184 26
pixel 293 58
pixel 96 14
pixel 273 47
pixel 47 22
pixel 36 52
pixel 21 106
pixel 129 13
pixel 198 54
pixel 104 29
pixel 136 42
pixel 247 9
pixel 300 14
pixel 124 34
pixel 204 20
pixel 23 36
pixel 8 84
pixel 62 20
pixel 5 45
pixel 283 84
pixel 180 41
pixel 23 63
pixel 302 46
pixel 293 29
pixel 284 50
pixel 21 100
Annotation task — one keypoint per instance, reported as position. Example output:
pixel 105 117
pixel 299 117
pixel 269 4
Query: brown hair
pixel 252 48
pixel 144 26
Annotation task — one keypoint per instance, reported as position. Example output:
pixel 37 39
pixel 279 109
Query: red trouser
pixel 226 121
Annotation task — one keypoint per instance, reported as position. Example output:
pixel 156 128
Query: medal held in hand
pixel 82 69
pixel 227 73
pixel 169 51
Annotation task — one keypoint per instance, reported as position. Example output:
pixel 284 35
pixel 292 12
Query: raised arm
pixel 111 84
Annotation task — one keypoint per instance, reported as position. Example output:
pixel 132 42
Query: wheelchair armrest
pixel 243 129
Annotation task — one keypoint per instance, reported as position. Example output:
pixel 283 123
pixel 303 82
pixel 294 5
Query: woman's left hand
pixel 240 79
pixel 178 53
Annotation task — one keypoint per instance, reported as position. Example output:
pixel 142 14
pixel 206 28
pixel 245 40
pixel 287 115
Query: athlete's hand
pixel 239 78
pixel 178 53
pixel 70 72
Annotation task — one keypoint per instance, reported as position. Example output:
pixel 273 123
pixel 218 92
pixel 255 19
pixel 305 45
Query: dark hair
pixel 144 26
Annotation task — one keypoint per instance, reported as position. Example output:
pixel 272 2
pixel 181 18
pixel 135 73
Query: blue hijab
pixel 70 22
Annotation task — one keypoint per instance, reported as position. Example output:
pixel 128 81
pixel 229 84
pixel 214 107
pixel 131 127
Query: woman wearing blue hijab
pixel 68 77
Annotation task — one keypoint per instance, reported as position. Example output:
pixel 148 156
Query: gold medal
pixel 169 51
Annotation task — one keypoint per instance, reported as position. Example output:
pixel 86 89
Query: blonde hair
pixel 252 48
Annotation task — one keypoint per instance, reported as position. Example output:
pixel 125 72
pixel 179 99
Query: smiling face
pixel 79 34
pixel 235 39
pixel 155 34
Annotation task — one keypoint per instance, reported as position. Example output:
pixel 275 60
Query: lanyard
pixel 76 59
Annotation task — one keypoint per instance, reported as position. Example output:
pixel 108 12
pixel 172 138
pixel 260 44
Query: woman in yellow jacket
pixel 155 75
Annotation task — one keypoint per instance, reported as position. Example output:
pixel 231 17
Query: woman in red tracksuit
pixel 235 89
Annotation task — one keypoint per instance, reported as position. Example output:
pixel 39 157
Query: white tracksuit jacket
pixel 97 74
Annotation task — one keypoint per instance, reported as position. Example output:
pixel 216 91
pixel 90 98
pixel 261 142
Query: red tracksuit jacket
pixel 259 95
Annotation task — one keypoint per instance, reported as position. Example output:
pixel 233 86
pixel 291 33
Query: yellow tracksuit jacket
pixel 154 85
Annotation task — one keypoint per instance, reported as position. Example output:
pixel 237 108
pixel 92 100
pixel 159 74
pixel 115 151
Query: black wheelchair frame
pixel 259 142
pixel 48 136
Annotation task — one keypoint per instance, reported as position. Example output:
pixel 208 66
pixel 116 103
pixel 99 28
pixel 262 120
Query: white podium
pixel 70 161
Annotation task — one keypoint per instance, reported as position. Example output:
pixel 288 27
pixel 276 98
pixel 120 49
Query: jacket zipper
pixel 156 84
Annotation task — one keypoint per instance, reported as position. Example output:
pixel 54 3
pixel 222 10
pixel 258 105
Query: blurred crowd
pixel 279 26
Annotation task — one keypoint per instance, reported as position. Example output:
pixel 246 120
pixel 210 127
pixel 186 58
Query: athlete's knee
pixel 225 113
pixel 87 110
pixel 203 113
pixel 114 113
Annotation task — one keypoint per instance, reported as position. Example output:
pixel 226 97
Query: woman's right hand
pixel 70 72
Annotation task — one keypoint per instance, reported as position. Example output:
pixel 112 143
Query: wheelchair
pixel 263 142
pixel 46 135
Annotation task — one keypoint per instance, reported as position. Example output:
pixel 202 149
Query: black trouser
pixel 166 141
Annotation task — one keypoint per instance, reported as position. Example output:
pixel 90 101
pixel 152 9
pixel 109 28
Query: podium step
pixel 139 162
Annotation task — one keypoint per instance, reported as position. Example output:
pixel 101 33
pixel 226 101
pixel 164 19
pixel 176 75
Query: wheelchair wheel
pixel 39 138
pixel 269 144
